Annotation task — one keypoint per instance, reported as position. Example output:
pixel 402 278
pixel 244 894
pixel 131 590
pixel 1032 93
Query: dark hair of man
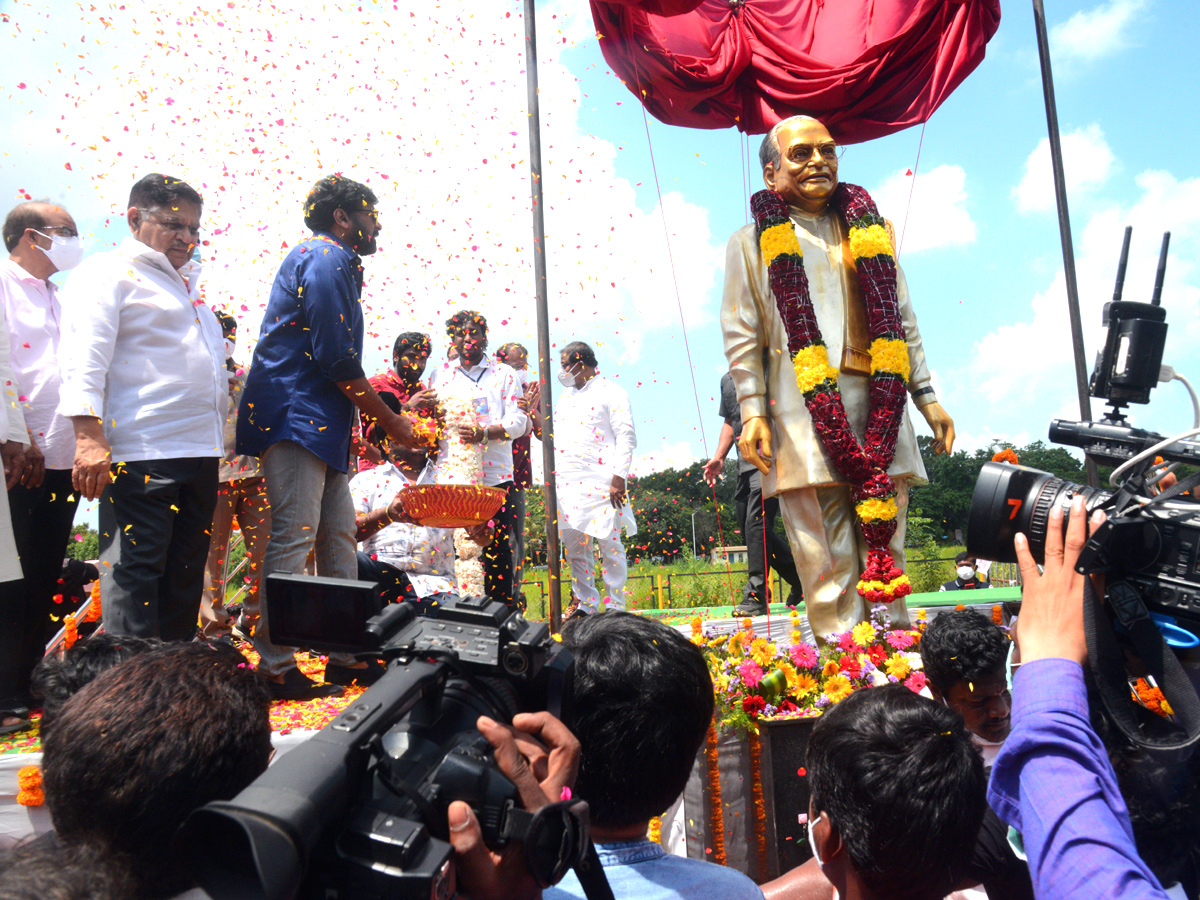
pixel 643 701
pixel 228 322
pixel 331 193
pixel 58 680
pixel 134 752
pixel 961 556
pixel 898 777
pixel 1161 790
pixel 961 645
pixel 579 352
pixel 508 349
pixel 156 191
pixel 457 322
pixel 46 869
pixel 412 342
pixel 21 217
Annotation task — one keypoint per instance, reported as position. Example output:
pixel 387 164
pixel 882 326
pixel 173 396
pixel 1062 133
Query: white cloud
pixel 1094 33
pixel 938 216
pixel 677 455
pixel 427 105
pixel 1025 368
pixel 1087 163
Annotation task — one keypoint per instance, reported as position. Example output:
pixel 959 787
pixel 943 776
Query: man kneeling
pixel 643 702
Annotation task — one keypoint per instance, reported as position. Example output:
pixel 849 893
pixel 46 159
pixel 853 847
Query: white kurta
pixel 594 440
pixel 12 424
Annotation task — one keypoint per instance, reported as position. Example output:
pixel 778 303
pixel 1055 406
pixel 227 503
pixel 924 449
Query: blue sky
pixel 252 103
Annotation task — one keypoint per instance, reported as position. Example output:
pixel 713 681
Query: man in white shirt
pixel 515 355
pixel 41 239
pixel 495 389
pixel 144 382
pixel 594 441
pixel 408 561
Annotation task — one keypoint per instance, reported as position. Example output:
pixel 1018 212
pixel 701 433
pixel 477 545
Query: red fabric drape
pixel 866 68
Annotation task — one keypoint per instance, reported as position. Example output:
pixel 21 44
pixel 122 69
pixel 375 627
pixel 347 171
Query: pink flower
pixel 846 643
pixel 915 682
pixel 900 640
pixel 804 655
pixel 750 673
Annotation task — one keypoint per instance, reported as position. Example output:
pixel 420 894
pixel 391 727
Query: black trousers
pixel 41 519
pixel 155 519
pixel 750 508
pixel 498 556
pixel 394 585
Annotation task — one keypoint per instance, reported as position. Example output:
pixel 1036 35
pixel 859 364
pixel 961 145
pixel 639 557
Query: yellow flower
pixel 720 683
pixel 789 672
pixel 805 684
pixel 797 636
pixel 890 356
pixel 812 367
pixel 762 652
pixel 864 633
pixel 838 688
pixel 831 669
pixel 921 615
pixel 874 510
pixel 777 240
pixel 696 625
pixel 870 241
pixel 897 666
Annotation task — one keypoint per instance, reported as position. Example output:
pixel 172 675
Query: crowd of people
pixel 124 388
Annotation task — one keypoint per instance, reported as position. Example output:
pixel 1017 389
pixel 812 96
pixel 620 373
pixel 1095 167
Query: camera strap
pixel 1106 659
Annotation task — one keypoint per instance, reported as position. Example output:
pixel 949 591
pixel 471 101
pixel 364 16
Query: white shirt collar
pixel 189 273
pixel 22 274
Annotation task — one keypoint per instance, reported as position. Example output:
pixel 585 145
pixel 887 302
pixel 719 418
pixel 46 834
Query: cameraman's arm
pixel 482 873
pixel 1052 780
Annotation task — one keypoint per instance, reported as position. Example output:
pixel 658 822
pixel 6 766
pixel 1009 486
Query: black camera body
pixel 359 810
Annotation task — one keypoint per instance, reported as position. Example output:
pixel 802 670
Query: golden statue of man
pixel 816 498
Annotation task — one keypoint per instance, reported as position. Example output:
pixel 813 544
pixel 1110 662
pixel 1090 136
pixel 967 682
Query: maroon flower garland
pixel 864 465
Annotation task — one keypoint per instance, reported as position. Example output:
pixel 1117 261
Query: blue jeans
pixel 310 509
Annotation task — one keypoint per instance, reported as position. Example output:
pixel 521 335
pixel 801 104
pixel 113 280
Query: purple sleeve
pixel 1053 783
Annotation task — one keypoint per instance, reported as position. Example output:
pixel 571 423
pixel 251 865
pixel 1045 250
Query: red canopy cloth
pixel 866 68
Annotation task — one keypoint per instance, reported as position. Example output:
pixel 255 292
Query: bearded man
pixel 813 282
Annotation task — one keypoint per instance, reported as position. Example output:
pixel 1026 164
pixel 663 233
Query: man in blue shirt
pixel 643 702
pixel 296 413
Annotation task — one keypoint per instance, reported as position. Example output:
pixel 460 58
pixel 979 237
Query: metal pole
pixel 695 552
pixel 1064 229
pixel 545 363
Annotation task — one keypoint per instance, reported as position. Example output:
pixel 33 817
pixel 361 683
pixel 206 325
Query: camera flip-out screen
pixel 328 614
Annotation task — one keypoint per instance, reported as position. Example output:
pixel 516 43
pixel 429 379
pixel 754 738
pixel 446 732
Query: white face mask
pixel 812 843
pixel 65 252
pixel 966 573
pixel 230 346
pixel 565 378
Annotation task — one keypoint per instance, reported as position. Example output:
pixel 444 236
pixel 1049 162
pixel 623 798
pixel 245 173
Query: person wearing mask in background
pixel 517 357
pixel 41 239
pixel 594 440
pixel 144 382
pixel 242 495
pixel 495 389
pixel 966 577
pixel 410 355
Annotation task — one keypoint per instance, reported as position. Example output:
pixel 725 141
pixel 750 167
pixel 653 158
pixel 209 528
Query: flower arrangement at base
pixel 757 679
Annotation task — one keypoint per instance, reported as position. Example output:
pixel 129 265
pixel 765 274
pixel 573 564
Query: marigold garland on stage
pixel 864 465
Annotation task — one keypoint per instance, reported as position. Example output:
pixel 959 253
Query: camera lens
pixel 1010 499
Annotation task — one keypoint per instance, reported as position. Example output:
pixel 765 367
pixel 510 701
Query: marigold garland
pixel 864 464
pixel 1152 697
pixel 1006 455
pixel 655 831
pixel 758 816
pixel 997 614
pixel 29 786
pixel 716 814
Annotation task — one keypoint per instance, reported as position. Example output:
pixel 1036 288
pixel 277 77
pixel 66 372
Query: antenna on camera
pixel 1124 261
pixel 1162 270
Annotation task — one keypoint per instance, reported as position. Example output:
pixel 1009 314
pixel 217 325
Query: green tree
pixel 84 543
pixel 664 527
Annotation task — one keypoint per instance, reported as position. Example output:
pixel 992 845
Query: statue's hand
pixel 942 426
pixel 756 434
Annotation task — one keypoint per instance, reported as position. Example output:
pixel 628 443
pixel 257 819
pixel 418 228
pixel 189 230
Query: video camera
pixel 359 809
pixel 1149 547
